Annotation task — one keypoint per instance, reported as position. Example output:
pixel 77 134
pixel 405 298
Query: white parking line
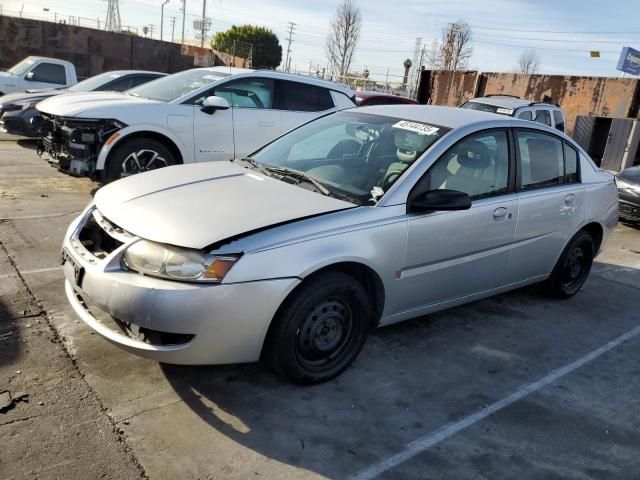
pixel 424 443
pixel 29 272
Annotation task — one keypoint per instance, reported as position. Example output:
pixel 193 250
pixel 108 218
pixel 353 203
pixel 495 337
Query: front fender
pixel 125 133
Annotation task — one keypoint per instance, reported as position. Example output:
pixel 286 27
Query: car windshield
pixel 354 156
pixel 175 86
pixel 93 83
pixel 22 67
pixel 485 107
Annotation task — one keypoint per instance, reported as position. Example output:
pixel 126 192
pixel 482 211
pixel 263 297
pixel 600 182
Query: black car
pixel 628 182
pixel 19 116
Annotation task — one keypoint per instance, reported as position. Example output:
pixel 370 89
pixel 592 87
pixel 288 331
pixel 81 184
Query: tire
pixel 138 155
pixel 319 331
pixel 573 267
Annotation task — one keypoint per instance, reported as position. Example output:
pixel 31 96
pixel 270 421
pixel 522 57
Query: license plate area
pixel 67 261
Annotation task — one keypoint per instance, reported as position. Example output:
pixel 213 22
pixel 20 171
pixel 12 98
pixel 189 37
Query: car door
pixel 459 253
pixel 45 75
pixel 300 102
pixel 550 202
pixel 255 120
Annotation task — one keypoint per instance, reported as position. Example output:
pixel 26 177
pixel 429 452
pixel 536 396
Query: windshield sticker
pixel 505 111
pixel 421 128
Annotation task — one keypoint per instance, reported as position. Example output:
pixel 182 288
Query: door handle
pixel 499 213
pixel 570 199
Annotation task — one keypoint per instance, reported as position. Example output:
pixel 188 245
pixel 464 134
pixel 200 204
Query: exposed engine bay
pixel 74 143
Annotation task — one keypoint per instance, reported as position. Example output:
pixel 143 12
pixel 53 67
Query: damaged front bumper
pixel 167 321
pixel 75 143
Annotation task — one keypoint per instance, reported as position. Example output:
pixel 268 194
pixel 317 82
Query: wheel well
pixel 167 142
pixel 595 230
pixel 367 277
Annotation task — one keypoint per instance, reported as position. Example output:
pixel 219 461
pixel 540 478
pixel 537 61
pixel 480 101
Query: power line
pixel 290 39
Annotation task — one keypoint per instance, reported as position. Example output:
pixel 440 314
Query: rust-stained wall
pixel 603 96
pixel 95 51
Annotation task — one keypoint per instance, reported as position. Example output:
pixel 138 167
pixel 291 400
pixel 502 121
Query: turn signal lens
pixel 219 268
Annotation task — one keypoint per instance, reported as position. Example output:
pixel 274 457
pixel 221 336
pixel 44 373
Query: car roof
pixel 450 117
pixel 509 102
pixel 303 79
pixel 132 72
pixel 369 93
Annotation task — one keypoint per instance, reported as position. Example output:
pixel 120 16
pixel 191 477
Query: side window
pixel 477 165
pixel 558 120
pixel 242 93
pixel 541 159
pixel 543 116
pixel 119 85
pixel 302 97
pixel 526 115
pixel 570 164
pixel 50 73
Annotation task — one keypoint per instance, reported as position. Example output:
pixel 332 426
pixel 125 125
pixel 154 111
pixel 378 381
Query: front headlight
pixel 25 105
pixel 166 261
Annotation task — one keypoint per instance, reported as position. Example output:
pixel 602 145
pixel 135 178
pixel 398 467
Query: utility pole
pixel 204 22
pixel 162 17
pixel 173 27
pixel 151 31
pixel 184 12
pixel 290 39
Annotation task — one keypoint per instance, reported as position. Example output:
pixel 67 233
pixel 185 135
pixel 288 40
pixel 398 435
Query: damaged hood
pixel 196 205
pixel 91 104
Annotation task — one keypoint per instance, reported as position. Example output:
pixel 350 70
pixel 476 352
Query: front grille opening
pixel 152 337
pixel 96 240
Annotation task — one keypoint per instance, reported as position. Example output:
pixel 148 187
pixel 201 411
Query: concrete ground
pixel 452 395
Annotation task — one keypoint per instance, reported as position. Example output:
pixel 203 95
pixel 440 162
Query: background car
pixel 361 218
pixel 367 98
pixel 37 72
pixel 18 114
pixel 628 183
pixel 549 114
pixel 193 116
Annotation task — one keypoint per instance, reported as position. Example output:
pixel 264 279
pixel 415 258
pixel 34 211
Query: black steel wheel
pixel 573 267
pixel 320 329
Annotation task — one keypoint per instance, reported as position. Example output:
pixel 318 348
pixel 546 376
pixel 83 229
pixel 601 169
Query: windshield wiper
pixel 255 164
pixel 301 176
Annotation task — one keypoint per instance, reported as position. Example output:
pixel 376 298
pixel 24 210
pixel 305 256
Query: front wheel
pixel 320 330
pixel 136 156
pixel 573 267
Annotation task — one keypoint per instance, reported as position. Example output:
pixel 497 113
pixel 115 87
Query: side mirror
pixel 433 200
pixel 29 76
pixel 213 103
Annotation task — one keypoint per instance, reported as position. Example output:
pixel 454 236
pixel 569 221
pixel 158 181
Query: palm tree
pixel 407 65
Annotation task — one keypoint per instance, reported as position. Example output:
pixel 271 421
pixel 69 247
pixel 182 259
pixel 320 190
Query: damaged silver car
pixel 359 219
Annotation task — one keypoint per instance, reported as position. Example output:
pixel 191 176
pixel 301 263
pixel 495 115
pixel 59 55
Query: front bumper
pixel 224 323
pixel 18 123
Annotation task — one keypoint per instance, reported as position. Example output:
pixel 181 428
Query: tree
pixel 455 50
pixel 528 63
pixel 266 49
pixel 407 65
pixel 343 36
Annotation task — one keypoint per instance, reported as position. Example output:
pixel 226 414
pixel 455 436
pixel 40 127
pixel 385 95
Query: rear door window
pixel 541 159
pixel 526 115
pixel 302 97
pixel 570 164
pixel 543 116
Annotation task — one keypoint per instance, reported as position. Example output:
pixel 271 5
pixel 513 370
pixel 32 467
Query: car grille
pixel 99 237
pixel 630 212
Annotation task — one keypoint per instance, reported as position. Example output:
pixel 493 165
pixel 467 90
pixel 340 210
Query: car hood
pixel 196 205
pixel 73 104
pixel 12 98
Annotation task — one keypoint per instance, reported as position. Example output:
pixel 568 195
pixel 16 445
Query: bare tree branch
pixel 343 36
pixel 454 50
pixel 528 63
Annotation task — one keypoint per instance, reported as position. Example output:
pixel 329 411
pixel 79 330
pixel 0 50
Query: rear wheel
pixel 320 330
pixel 573 267
pixel 136 156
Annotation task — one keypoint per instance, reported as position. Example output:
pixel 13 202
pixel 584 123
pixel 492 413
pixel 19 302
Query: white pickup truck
pixel 34 73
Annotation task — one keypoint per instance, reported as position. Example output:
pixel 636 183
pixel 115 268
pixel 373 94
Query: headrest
pixel 473 154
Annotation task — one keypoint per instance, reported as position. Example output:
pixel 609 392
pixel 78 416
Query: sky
pixel 562 32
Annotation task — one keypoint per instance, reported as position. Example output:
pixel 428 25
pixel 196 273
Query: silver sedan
pixel 356 220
